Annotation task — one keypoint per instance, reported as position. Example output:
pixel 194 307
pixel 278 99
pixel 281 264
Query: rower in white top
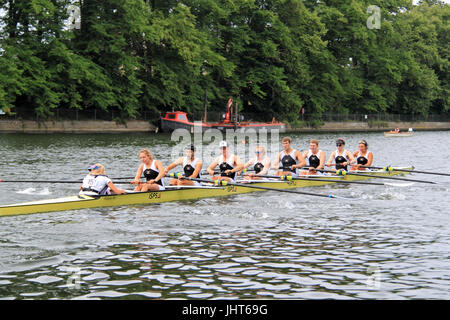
pixel 97 183
pixel 229 164
pixel 260 163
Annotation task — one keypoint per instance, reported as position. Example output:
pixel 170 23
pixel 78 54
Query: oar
pixel 342 172
pixel 318 178
pixel 227 183
pixel 42 181
pixel 47 181
pixel 390 169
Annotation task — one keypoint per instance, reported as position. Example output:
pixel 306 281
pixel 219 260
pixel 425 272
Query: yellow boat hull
pixel 173 194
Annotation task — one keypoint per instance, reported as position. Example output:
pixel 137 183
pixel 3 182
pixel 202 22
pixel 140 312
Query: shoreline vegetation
pixel 293 60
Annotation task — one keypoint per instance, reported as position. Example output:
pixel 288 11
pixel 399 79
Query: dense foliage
pixel 272 56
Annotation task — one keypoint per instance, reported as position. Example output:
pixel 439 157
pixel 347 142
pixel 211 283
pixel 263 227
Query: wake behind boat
pixel 177 193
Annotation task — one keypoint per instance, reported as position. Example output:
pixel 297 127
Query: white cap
pixel 223 144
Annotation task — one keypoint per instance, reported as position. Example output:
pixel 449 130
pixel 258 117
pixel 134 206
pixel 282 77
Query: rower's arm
pixel 115 189
pixel 370 159
pixel 198 168
pixel 276 162
pixel 351 157
pixel 238 164
pixel 301 160
pixel 137 178
pixel 248 164
pixel 330 160
pixel 160 169
pixel 266 168
pixel 173 165
pixel 322 160
pixel 212 167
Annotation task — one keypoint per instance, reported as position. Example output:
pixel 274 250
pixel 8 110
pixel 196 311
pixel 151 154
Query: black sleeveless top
pixel 339 160
pixel 189 169
pixel 314 161
pixel 287 161
pixel 258 167
pixel 226 166
pixel 151 173
pixel 362 159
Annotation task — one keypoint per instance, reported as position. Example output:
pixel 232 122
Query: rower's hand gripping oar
pixel 391 169
pixel 228 183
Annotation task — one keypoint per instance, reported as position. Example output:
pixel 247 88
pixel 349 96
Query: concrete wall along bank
pixel 97 126
pixel 87 126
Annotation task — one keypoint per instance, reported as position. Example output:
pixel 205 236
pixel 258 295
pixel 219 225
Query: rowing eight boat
pixel 171 194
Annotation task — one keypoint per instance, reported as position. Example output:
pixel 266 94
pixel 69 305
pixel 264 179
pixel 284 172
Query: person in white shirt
pixel 97 183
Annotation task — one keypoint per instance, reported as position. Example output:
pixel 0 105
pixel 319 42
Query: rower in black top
pixel 191 168
pixel 315 158
pixel 364 157
pixel 341 157
pixel 261 164
pixel 228 164
pixel 153 172
pixel 290 159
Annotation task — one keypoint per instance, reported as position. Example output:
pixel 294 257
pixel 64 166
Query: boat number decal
pixel 154 195
pixel 231 189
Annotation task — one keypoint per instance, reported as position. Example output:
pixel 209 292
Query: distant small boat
pixel 399 134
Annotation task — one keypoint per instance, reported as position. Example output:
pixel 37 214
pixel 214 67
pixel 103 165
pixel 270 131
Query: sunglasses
pixel 93 167
pixel 339 144
pixel 258 152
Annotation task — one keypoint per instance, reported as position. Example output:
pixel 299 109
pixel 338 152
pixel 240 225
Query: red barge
pixel 179 120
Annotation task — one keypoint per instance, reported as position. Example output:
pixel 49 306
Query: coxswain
pixel 97 183
pixel 364 157
pixel 341 158
pixel 153 172
pixel 229 164
pixel 290 159
pixel 260 163
pixel 315 158
pixel 191 168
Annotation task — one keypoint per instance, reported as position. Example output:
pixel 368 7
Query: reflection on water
pixel 389 242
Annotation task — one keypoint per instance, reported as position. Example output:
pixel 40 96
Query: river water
pixel 386 242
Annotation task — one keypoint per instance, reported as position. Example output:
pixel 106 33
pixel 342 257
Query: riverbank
pixel 72 126
pixel 98 126
pixel 356 126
